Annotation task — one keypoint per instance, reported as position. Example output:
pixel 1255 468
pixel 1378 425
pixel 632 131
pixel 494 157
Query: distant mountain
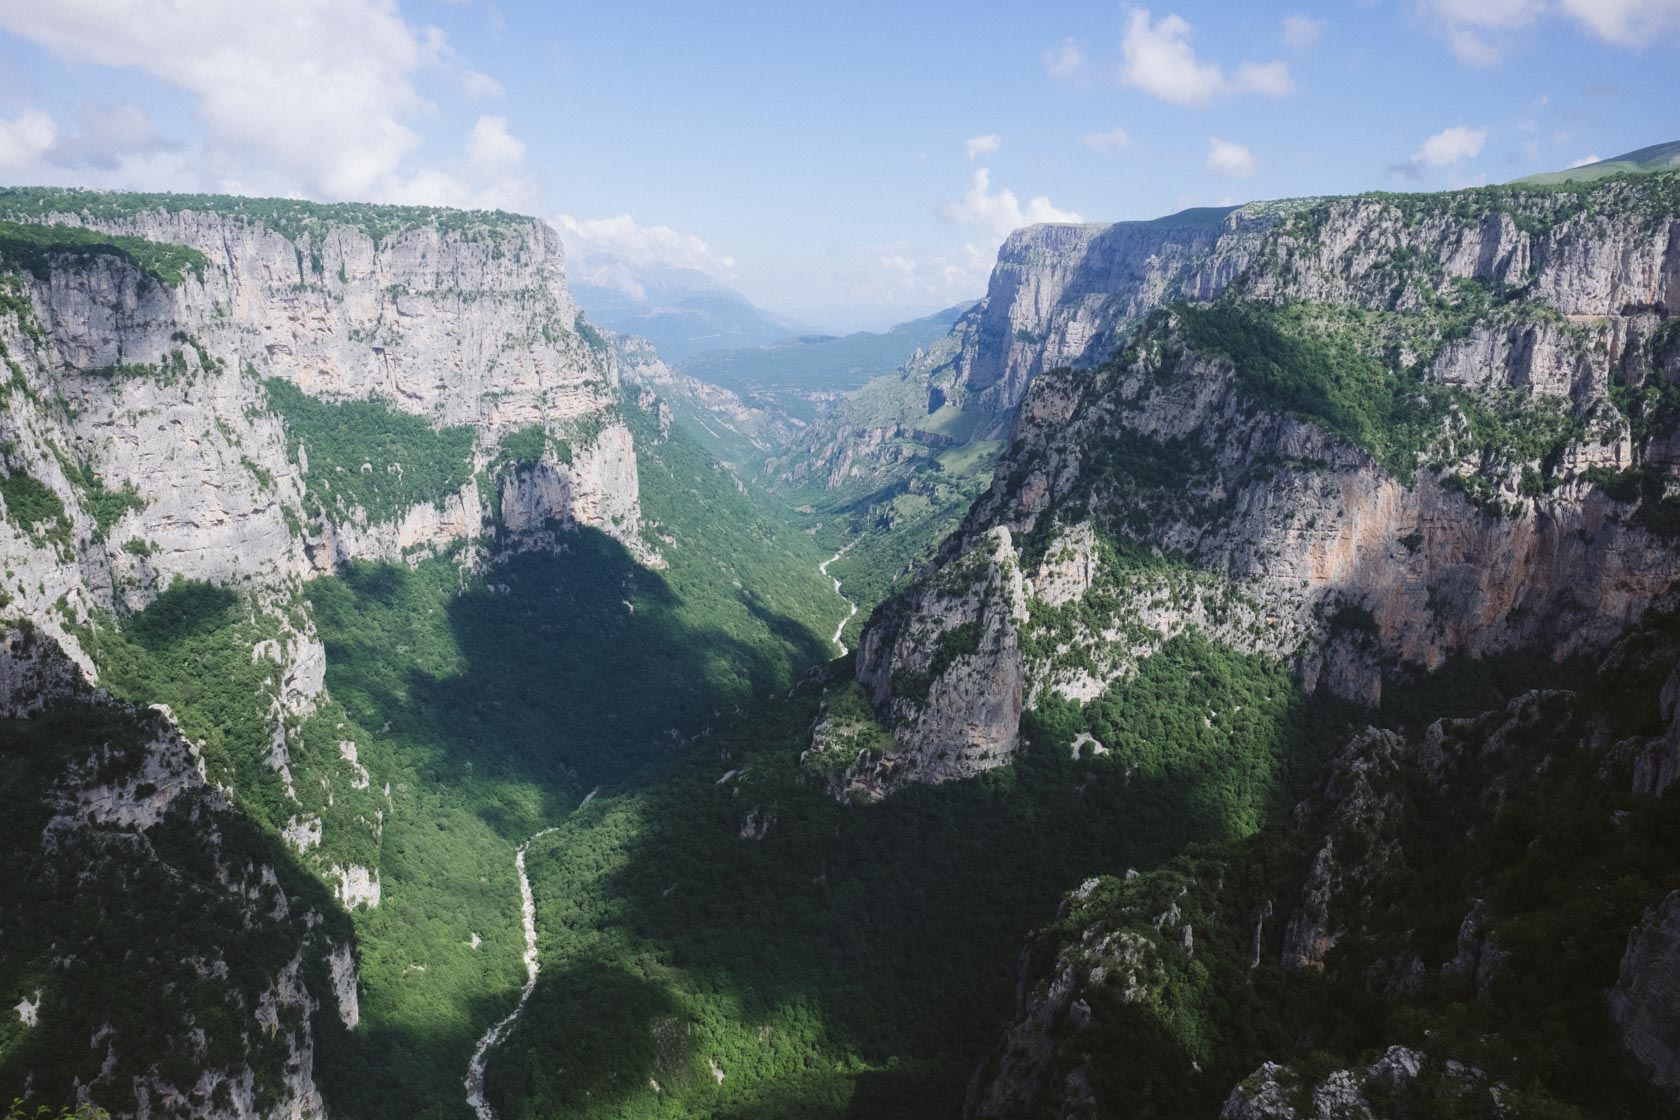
pixel 821 363
pixel 682 312
pixel 1658 157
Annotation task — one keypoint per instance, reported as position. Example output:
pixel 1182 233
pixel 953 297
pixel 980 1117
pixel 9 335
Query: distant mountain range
pixel 683 311
pixel 1657 157
pixel 821 363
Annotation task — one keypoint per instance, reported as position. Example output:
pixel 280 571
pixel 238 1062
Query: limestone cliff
pixel 124 385
pixel 1059 295
pixel 1512 870
pixel 124 863
pixel 1406 430
pixel 239 395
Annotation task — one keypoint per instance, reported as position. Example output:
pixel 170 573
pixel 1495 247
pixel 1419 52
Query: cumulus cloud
pixel 1106 142
pixel 614 252
pixel 1447 148
pixel 25 139
pixel 1584 160
pixel 1301 32
pixel 986 145
pixel 108 136
pixel 1065 59
pixel 1001 212
pixel 309 96
pixel 476 86
pixel 1156 57
pixel 1626 23
pixel 1481 31
pixel 1450 145
pixel 1478 29
pixel 1230 158
pixel 902 275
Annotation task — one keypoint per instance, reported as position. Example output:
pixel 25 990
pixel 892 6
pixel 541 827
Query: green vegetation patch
pixel 1350 392
pixel 142 943
pixel 1335 366
pixel 368 455
pixel 31 505
pixel 1658 510
pixel 37 248
pixel 677 943
pixel 290 217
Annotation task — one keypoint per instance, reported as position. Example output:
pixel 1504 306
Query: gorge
pixel 1259 697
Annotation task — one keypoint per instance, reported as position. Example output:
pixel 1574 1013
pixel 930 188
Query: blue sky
pixel 848 163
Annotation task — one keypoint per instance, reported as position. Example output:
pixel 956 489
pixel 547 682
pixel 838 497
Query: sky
pixel 848 164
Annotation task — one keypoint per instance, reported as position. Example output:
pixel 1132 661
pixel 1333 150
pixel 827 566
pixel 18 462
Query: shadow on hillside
pixel 570 670
pixel 881 941
pixel 111 927
pixel 884 938
pixel 509 699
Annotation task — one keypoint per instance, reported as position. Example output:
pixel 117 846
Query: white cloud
pixel 476 86
pixel 315 97
pixel 902 275
pixel 1478 30
pixel 613 252
pixel 1269 78
pixel 1481 31
pixel 1106 142
pixel 1001 212
pixel 1230 158
pixel 1626 23
pixel 1301 32
pixel 1449 146
pixel 1157 58
pixel 108 135
pixel 1065 59
pixel 25 139
pixel 492 150
pixel 1584 160
pixel 986 145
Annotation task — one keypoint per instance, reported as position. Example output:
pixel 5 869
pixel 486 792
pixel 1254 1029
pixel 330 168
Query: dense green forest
pixel 292 218
pixel 205 955
pixel 720 937
pixel 858 961
pixel 618 664
pixel 35 248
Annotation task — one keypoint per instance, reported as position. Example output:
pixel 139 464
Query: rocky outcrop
pixel 137 867
pixel 1059 295
pixel 1356 799
pixel 128 388
pixel 1403 1084
pixel 950 678
pixel 1647 992
pixel 1063 295
pixel 1182 486
pixel 1126 947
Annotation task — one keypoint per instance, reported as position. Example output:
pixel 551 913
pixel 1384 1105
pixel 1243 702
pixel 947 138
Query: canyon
pixel 1264 629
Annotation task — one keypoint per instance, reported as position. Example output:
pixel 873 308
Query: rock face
pixel 1430 452
pixel 106 889
pixel 129 385
pixel 314 385
pixel 1059 295
pixel 1643 1003
pixel 1404 888
pixel 1062 295
pixel 957 703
